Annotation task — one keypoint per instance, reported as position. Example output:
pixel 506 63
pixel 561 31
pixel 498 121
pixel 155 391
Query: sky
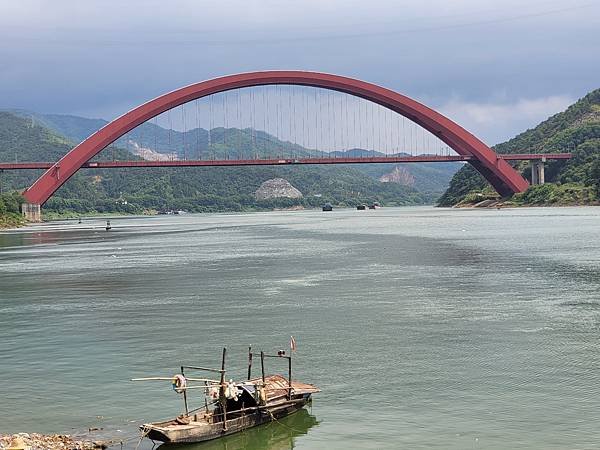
pixel 495 67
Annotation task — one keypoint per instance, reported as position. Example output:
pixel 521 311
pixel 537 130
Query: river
pixel 424 327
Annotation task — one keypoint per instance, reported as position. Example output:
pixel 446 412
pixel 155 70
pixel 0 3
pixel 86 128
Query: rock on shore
pixel 35 441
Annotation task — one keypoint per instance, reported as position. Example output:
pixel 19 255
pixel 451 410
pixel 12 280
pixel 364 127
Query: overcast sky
pixel 497 68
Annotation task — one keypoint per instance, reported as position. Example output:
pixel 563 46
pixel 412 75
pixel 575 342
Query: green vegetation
pixel 557 195
pixel 136 190
pixel 475 197
pixel 10 210
pixel 465 182
pixel 220 189
pixel 576 181
pixel 431 179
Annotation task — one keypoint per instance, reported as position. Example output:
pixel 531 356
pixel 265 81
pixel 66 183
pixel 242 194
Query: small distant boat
pixel 108 225
pixel 230 407
pixel 374 205
pixel 361 207
pixel 327 207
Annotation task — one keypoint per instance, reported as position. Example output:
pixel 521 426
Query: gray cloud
pixel 496 120
pixel 100 58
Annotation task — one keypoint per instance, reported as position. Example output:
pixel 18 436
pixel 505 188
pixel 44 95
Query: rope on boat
pixel 274 419
pixel 144 434
pixel 125 440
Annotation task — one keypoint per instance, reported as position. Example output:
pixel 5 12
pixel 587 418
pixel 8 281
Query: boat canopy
pixel 248 398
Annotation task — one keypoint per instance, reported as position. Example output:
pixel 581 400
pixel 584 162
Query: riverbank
pixel 54 217
pixel 547 195
pixel 11 220
pixel 35 441
pixel 48 216
pixel 499 204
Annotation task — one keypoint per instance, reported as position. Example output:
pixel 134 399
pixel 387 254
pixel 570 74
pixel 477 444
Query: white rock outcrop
pixel 276 188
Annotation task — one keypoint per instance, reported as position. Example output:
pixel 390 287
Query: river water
pixel 424 327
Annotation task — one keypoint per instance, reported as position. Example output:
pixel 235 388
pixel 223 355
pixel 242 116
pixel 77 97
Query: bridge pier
pixel 537 172
pixel 32 212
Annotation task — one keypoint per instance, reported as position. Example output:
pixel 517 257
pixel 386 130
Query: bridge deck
pixel 284 161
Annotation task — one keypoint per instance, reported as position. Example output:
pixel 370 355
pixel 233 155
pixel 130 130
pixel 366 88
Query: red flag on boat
pixel 293 344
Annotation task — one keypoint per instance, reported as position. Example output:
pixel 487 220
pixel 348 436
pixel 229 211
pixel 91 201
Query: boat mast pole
pixel 185 403
pixel 222 399
pixel 262 366
pixel 290 377
pixel 249 362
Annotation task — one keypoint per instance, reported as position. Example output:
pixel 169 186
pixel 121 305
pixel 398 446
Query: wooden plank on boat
pixel 277 386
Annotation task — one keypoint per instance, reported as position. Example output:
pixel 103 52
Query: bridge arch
pixel 498 172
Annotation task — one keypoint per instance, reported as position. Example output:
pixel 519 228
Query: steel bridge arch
pixel 498 172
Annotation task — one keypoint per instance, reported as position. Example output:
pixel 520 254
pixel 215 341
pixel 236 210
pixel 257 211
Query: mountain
pixel 574 181
pixel 22 140
pixel 193 189
pixel 430 178
pixel 151 141
pixel 194 143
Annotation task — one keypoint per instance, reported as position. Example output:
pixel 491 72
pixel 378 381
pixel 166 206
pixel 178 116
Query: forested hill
pixel 431 179
pixel 193 189
pixel 576 181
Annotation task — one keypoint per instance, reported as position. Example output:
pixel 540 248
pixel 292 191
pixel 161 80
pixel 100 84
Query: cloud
pixel 102 57
pixel 307 15
pixel 496 121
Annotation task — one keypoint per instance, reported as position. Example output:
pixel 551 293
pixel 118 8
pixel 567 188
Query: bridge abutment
pixel 32 212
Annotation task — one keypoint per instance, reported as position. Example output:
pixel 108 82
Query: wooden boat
pixel 234 406
pixel 327 207
pixel 275 437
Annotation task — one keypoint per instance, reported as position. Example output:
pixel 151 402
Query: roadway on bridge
pixel 285 161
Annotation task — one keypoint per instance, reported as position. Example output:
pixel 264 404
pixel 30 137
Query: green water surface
pixel 425 328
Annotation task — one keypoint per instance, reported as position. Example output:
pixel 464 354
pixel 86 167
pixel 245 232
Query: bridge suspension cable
pixel 282 121
pixel 379 128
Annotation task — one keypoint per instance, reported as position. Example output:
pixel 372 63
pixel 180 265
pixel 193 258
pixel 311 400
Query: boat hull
pixel 200 432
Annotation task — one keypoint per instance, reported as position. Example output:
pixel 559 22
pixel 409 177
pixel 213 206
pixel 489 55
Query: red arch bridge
pixel 277 118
